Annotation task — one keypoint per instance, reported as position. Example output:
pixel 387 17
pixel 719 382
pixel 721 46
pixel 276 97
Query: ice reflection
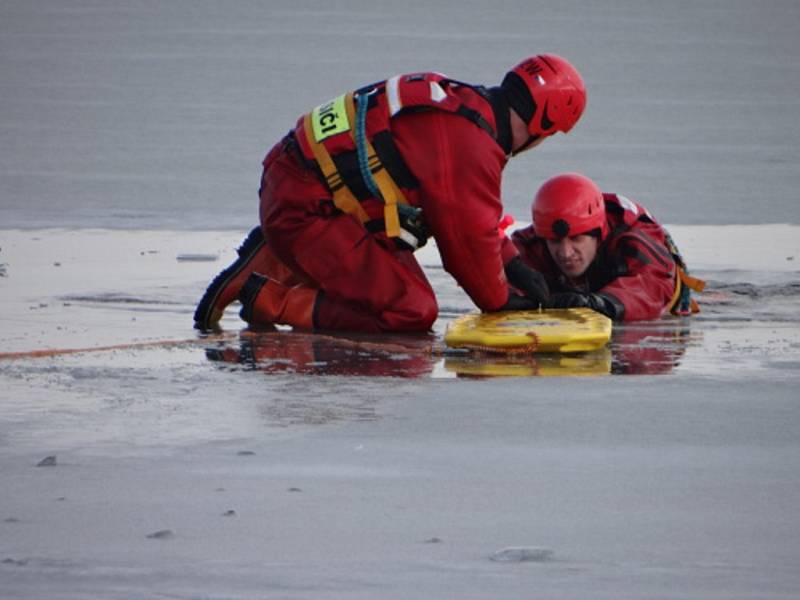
pixel 652 348
pixel 484 364
pixel 655 348
pixel 754 330
pixel 327 354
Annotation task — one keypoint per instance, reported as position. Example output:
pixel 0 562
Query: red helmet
pixel 569 204
pixel 547 92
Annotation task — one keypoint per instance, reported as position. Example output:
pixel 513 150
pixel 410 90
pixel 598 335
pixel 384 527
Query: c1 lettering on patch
pixel 329 119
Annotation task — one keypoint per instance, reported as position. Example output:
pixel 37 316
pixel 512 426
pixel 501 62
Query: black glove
pixel 517 302
pixel 601 303
pixel 414 232
pixel 527 280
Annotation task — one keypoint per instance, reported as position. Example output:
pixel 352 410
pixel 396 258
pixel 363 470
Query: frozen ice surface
pixel 140 115
pixel 131 136
pixel 641 487
pixel 343 456
pixel 522 554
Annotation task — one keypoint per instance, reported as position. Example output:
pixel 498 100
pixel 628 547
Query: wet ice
pixel 120 125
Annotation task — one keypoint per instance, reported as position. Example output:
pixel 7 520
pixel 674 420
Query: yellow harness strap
pixel 390 192
pixel 343 198
pixel 392 196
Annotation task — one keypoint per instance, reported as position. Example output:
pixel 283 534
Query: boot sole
pixel 210 309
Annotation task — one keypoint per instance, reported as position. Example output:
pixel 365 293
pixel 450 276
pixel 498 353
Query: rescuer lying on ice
pixel 349 193
pixel 602 251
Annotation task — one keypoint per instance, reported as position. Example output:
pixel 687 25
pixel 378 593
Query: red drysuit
pixel 367 282
pixel 634 265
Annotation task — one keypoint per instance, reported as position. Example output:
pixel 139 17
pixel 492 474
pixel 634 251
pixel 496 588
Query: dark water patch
pixel 747 302
pixel 754 291
pixel 784 365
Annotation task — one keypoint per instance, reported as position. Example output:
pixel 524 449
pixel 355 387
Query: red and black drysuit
pixel 444 144
pixel 634 276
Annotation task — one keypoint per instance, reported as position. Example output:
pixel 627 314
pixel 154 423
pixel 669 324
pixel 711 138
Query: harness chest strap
pixel 389 191
pixel 348 112
pixel 343 197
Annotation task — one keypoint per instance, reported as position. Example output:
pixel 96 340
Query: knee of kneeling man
pixel 425 315
pixel 412 317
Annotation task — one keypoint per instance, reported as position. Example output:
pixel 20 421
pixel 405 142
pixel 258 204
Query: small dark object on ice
pixel 47 461
pixel 197 257
pixel 161 534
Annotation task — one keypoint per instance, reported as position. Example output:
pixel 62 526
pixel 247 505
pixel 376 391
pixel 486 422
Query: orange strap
pixel 693 283
pixel 46 352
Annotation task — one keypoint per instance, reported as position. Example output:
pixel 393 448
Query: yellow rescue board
pixel 528 331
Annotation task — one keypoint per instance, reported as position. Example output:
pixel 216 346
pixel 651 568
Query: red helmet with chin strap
pixel 569 204
pixel 547 92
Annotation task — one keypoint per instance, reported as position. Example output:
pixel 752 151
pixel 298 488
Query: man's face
pixel 574 254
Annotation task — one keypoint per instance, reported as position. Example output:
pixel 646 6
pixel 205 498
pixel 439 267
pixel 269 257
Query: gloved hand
pixel 601 303
pixel 527 280
pixel 414 232
pixel 517 302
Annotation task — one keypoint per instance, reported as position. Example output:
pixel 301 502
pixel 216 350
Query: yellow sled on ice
pixel 528 331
